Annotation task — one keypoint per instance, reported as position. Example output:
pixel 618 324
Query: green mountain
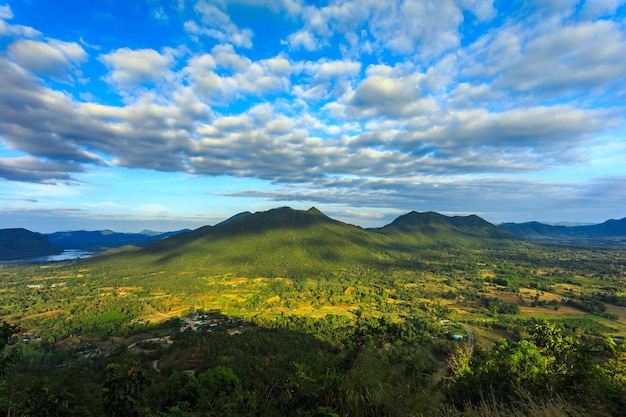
pixel 293 243
pixel 611 231
pixel 22 244
pixel 278 242
pixel 434 228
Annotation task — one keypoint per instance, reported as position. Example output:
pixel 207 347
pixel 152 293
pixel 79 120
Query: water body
pixel 67 255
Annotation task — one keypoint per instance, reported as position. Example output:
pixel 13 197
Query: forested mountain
pixel 278 242
pixel 435 227
pixel 296 243
pixel 99 240
pixel 609 231
pixel 21 243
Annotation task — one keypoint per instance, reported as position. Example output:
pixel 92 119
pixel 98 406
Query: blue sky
pixel 168 114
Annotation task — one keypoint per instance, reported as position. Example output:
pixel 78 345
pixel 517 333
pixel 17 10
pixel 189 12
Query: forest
pixel 289 313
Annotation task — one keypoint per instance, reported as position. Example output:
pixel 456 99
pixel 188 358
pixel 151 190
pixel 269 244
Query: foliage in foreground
pixel 549 365
pixel 331 367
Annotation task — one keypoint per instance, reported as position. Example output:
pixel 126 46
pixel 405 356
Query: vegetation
pixel 297 314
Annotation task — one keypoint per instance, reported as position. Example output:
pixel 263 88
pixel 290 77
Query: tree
pixel 123 389
pixel 220 391
pixel 8 355
pixel 549 365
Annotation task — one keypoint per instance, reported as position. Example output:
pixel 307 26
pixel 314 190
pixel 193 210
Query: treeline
pixel 332 366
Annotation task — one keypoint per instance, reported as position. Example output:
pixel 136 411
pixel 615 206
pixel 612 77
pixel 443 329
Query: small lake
pixel 67 255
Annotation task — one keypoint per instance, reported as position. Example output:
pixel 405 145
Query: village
pixel 210 322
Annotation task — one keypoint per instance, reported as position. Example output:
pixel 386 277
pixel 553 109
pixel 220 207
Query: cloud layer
pixel 369 104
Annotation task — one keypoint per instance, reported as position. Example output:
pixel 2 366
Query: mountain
pixel 284 242
pixel 22 244
pixel 99 240
pixel 278 242
pixel 431 227
pixel 611 231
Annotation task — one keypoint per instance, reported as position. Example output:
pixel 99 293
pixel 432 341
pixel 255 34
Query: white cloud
pixel 304 39
pixel 548 61
pixel 215 23
pixel 53 58
pixel 17 30
pixel 425 28
pixel 130 68
pixel 6 12
pixel 225 75
pixel 596 8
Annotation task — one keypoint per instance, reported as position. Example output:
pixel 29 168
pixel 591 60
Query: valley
pixel 330 319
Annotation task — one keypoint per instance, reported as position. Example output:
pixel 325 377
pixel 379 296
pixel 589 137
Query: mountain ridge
pixel 98 240
pixel 284 242
pixel 610 231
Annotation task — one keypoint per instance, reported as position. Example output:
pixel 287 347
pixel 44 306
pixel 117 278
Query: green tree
pixel 8 355
pixel 220 391
pixel 123 389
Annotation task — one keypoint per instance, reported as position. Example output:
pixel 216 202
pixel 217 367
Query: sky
pixel 162 115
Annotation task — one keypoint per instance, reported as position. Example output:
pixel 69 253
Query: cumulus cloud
pixel 52 58
pixel 131 68
pixel 224 75
pixel 216 23
pixel 39 120
pixel 29 169
pixel 548 61
pixel 422 28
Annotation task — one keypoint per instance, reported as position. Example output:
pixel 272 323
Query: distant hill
pixel 431 227
pixel 22 244
pixel 611 231
pixel 284 242
pixel 100 240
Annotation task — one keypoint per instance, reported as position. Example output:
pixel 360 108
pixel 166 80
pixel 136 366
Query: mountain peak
pixel 435 226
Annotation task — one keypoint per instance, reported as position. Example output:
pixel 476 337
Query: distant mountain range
pixel 99 240
pixel 609 232
pixel 18 244
pixel 246 237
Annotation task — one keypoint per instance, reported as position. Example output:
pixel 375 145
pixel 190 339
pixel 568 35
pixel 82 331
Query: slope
pixel 21 244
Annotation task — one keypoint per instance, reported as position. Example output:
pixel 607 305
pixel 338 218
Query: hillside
pixel 292 243
pixel 21 244
pixel 611 231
